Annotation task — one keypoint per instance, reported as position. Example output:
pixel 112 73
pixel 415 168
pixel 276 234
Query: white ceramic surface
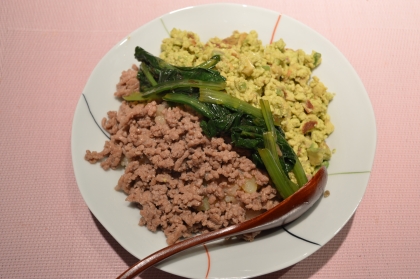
pixel 354 140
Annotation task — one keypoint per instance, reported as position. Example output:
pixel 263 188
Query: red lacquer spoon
pixel 285 212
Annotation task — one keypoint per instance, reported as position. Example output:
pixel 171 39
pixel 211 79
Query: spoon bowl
pixel 285 212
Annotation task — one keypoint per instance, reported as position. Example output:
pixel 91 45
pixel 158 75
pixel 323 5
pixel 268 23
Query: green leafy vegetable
pixel 157 77
pixel 163 72
pixel 297 166
pixel 147 74
pixel 247 127
pixel 209 95
pixel 284 185
pixel 192 102
pixel 268 117
pixel 171 86
pixel 210 63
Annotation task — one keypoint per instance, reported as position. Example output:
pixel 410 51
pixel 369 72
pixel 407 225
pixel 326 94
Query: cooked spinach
pixel 224 116
pixel 158 77
pixel 163 72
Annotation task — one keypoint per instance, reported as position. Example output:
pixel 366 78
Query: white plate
pixel 354 139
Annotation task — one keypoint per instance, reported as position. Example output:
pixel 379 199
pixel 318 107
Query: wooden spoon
pixel 285 212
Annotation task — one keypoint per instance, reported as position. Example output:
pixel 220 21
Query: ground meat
pixel 183 182
pixel 128 82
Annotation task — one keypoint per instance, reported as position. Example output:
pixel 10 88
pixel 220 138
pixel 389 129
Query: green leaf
pixel 164 72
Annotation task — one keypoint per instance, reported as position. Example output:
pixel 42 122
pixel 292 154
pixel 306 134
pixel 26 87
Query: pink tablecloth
pixel 47 52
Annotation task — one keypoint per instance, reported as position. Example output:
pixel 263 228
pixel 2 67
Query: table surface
pixel 47 52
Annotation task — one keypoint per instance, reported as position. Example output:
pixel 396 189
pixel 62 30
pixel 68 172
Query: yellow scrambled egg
pixel 280 75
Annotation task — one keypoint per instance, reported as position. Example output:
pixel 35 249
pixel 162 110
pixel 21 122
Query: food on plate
pixel 185 182
pixel 200 133
pixel 275 73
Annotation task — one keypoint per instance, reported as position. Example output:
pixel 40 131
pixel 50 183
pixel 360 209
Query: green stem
pixel 284 186
pixel 210 63
pixel 139 97
pixel 299 173
pixel 192 102
pixel 170 85
pixel 147 73
pixel 208 95
pixel 268 116
pixel 270 144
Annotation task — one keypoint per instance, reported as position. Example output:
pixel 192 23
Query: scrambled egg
pixel 280 75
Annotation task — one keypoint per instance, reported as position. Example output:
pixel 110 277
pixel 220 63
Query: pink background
pixel 47 52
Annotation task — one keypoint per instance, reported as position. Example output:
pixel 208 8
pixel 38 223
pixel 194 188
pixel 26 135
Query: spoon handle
pixel 285 212
pixel 173 249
